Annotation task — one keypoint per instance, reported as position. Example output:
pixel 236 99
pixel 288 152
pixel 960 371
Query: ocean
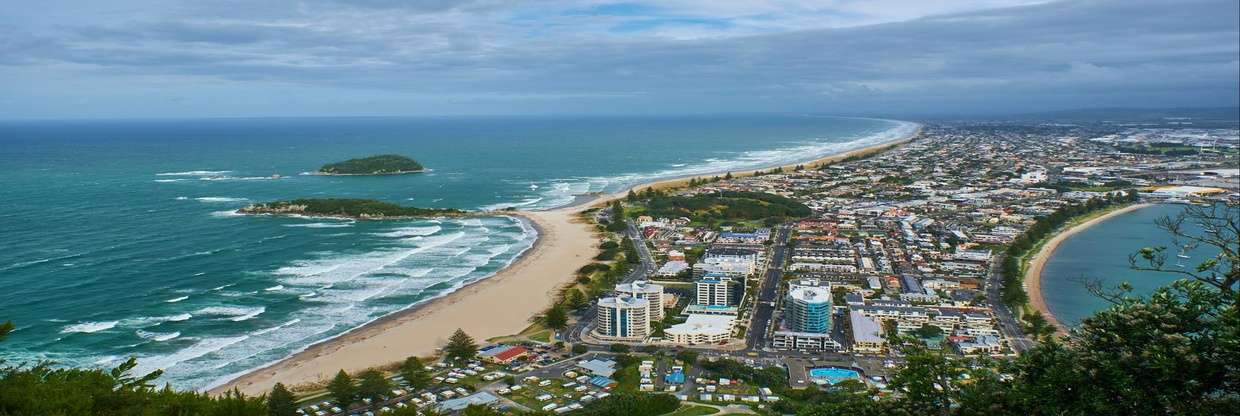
pixel 1101 253
pixel 120 238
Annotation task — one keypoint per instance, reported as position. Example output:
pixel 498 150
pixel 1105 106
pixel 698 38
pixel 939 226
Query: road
pixel 764 302
pixel 647 267
pixel 1007 322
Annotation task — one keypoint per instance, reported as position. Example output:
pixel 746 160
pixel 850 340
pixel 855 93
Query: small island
pixel 359 209
pixel 373 165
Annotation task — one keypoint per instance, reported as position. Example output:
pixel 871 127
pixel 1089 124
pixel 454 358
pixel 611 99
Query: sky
pixel 242 58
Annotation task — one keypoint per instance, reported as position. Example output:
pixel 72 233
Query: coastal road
pixel 647 260
pixel 764 309
pixel 1007 322
pixel 642 271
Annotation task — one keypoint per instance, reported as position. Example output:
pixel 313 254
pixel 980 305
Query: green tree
pixel 479 410
pixel 619 348
pixel 579 349
pixel 44 389
pixel 556 317
pixel 929 331
pixel 415 374
pixel 928 380
pixel 281 402
pixel 342 389
pixel 576 300
pixel 687 356
pixel 1037 326
pixel 373 385
pixel 461 347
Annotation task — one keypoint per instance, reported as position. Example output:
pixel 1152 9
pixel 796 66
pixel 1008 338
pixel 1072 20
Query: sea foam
pixel 220 199
pixel 196 173
pixel 89 327
pixel 157 336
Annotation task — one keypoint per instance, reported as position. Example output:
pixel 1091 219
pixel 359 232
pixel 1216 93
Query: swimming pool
pixel 833 375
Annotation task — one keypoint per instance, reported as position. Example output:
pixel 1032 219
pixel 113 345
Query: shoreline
pixel 1033 274
pixel 562 246
pixel 525 287
pixel 599 199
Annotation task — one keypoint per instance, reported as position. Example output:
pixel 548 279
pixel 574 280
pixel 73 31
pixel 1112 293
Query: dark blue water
pixel 119 237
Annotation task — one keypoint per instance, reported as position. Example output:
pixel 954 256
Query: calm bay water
pixel 119 237
pixel 1101 252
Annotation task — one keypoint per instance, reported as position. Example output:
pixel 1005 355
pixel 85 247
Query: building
pixel 672 268
pixel 981 344
pixel 805 341
pixel 701 329
pixel 759 236
pixel 806 324
pixel 731 260
pixel 808 309
pixel 622 318
pixel 719 290
pixel 643 289
pixel 598 367
pixel 481 398
pixel 866 334
pixel 502 354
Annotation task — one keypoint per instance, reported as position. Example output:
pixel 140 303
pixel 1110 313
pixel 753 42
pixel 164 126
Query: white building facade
pixel 622 318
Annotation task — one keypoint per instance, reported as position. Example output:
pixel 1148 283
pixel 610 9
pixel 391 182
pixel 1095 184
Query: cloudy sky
pixel 211 58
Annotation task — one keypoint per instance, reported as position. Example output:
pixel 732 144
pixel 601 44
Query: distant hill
pixel 373 165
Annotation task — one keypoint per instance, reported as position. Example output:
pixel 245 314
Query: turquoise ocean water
pixel 1101 252
pixel 119 238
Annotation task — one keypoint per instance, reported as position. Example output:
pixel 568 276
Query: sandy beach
pixel 495 306
pixel 1033 275
pixel 811 164
pixel 499 305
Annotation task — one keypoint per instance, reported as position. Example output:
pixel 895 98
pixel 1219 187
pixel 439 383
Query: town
pixel 733 290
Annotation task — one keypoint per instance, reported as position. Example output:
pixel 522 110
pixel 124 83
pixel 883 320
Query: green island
pixel 366 209
pixel 373 165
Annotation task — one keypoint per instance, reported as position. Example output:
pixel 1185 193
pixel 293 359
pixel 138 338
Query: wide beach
pixel 681 182
pixel 1033 274
pixel 499 305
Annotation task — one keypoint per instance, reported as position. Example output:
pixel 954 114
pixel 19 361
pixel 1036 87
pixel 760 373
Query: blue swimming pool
pixel 833 375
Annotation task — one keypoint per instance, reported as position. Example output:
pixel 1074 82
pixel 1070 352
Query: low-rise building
pixel 701 329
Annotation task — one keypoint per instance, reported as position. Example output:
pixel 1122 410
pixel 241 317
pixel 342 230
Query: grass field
pixel 691 410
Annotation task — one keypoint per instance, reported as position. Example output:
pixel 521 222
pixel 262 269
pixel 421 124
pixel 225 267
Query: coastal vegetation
pixel 722 207
pixel 461 347
pixel 1012 267
pixel 373 165
pixel 346 208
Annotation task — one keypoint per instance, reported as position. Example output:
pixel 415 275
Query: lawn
pixel 691 410
pixel 541 336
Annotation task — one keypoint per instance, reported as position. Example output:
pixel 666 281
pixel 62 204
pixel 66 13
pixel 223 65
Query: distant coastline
pixel 1037 263
pixel 346 208
pixel 600 198
pixel 523 289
